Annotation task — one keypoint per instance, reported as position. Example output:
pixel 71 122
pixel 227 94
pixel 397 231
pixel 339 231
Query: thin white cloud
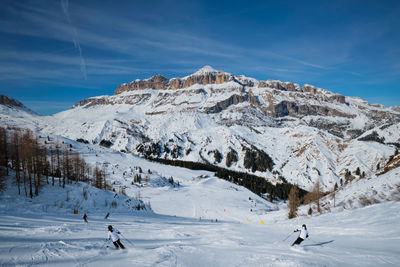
pixel 65 5
pixel 139 37
pixel 142 40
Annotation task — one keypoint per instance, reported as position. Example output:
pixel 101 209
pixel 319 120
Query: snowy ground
pixel 183 230
pixel 364 237
pixel 367 236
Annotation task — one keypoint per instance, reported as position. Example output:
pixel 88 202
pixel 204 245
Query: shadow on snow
pixel 319 243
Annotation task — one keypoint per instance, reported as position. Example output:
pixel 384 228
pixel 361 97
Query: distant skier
pixel 85 218
pixel 303 235
pixel 107 215
pixel 113 234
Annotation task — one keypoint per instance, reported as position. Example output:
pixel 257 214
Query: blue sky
pixel 55 53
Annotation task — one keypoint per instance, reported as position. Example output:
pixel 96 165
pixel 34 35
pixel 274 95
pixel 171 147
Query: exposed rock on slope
pixel 5 100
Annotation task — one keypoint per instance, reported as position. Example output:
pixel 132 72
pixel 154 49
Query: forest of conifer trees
pixel 38 160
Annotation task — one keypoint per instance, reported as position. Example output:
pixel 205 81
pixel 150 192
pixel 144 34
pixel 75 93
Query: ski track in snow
pixel 364 237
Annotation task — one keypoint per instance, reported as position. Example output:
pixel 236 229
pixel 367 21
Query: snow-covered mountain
pixel 13 114
pixel 199 219
pixel 278 130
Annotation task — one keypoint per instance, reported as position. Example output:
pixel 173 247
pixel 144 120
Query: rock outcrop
pixel 309 89
pixel 395 108
pixel 288 108
pixel 204 76
pixel 5 100
pixel 285 86
pixel 157 82
pixel 222 105
pixel 338 98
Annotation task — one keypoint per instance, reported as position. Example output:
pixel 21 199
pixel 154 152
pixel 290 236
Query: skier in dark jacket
pixel 85 218
pixel 113 234
pixel 303 235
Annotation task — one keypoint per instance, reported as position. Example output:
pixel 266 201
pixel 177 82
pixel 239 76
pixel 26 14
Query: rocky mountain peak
pixel 205 75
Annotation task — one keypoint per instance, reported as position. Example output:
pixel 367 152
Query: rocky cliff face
pixel 212 91
pixel 286 86
pixel 157 82
pixel 204 76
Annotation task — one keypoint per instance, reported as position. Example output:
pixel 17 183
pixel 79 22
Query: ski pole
pixel 126 239
pixel 104 243
pixel 288 237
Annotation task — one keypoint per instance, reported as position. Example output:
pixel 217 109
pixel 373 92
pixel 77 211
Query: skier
pixel 85 218
pixel 107 215
pixel 113 234
pixel 303 235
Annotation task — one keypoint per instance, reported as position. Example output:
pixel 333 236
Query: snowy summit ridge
pixel 206 70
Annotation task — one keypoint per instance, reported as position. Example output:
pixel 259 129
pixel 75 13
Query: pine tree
pixel 309 211
pixel 52 165
pixel 58 168
pixel 317 191
pixel 3 149
pixel 15 144
pixel 314 195
pixel 334 194
pixel 98 178
pixel 38 165
pixel 28 161
pixel 104 173
pixel 294 202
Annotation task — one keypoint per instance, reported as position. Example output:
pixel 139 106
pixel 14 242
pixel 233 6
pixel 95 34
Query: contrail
pixel 64 5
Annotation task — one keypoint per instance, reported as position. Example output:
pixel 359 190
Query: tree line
pixel 37 161
pixel 256 184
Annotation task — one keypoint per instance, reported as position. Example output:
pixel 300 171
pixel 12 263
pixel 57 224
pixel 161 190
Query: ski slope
pixel 364 237
pixel 203 222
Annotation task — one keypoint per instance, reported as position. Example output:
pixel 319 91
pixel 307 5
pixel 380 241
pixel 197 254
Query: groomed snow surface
pixel 44 232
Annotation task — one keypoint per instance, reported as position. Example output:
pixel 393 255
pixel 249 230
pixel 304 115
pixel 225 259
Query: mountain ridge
pixel 308 134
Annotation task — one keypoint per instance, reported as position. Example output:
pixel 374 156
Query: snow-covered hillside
pixel 368 236
pixel 198 220
pixel 80 197
pixel 191 194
